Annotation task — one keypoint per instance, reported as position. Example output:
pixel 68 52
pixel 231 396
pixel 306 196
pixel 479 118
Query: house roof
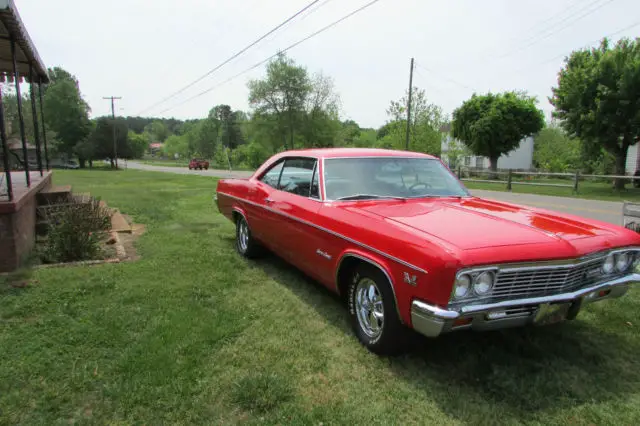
pixel 12 28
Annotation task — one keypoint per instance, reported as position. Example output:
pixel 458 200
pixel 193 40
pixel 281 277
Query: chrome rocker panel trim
pixel 432 321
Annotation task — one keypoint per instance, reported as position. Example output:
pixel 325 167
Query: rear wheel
pixel 372 308
pixel 245 243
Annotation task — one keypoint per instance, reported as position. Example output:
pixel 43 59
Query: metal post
pixel 44 130
pixel 409 106
pixel 5 151
pixel 509 178
pixel 575 181
pixel 16 76
pixel 459 171
pixel 34 112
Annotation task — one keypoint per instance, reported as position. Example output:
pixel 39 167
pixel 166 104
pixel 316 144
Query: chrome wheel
pixel 243 235
pixel 369 307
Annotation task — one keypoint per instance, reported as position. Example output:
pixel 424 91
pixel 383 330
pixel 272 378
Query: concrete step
pixel 55 194
pixel 119 223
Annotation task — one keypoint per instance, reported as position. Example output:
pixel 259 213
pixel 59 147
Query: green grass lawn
pixel 193 333
pixel 586 189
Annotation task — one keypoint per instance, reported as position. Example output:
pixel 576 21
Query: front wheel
pixel 372 308
pixel 245 244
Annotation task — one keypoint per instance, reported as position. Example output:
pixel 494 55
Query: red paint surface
pixel 438 235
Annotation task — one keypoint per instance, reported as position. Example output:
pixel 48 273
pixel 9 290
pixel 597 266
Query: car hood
pixel 473 223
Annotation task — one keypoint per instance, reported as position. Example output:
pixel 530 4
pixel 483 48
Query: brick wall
pixel 17 235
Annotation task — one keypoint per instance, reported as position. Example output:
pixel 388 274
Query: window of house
pixel 480 162
pixel 467 161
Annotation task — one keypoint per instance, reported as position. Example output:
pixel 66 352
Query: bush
pixel 75 230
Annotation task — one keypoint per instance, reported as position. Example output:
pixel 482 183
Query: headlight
pixel 622 261
pixel 483 283
pixel 462 286
pixel 608 265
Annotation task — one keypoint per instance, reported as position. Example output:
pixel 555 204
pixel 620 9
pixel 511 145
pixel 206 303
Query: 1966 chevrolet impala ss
pixel 402 240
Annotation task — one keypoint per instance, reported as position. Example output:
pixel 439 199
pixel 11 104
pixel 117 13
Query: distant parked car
pixel 197 163
pixel 60 164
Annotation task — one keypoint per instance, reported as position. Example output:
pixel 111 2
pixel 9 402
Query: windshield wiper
pixel 369 196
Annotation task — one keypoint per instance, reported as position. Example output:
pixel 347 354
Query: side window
pixel 272 176
pixel 297 175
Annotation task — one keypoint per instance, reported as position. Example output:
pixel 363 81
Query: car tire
pixel 372 308
pixel 246 245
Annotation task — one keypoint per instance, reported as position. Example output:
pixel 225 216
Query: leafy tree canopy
pixel 494 124
pixel 598 98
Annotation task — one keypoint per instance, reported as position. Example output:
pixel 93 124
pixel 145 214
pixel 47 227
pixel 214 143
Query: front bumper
pixel 432 321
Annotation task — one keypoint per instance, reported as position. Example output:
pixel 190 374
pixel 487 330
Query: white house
pixel 633 159
pixel 519 158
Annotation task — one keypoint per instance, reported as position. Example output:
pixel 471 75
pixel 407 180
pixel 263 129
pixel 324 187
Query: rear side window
pixel 272 176
pixel 297 176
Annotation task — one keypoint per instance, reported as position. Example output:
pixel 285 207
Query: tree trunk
pixel 82 162
pixel 621 160
pixel 112 163
pixel 90 164
pixel 493 161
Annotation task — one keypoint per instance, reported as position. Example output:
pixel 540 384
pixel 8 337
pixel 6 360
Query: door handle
pixel 268 200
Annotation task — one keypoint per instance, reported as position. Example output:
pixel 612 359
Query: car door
pixel 297 202
pixel 262 220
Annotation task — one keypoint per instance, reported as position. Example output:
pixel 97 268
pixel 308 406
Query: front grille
pixel 546 281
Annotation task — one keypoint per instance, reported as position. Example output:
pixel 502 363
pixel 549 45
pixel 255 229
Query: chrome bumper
pixel 432 321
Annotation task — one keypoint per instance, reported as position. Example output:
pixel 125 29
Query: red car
pixel 402 240
pixel 196 163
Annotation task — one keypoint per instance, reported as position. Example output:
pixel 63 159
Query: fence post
pixel 509 178
pixel 575 182
pixel 459 171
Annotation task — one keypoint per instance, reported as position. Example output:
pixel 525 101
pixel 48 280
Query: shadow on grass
pixel 522 371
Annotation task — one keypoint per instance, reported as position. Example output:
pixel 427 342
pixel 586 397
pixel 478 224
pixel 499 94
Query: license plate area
pixel 551 313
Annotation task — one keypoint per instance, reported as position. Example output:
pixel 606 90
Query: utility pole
pixel 409 106
pixel 113 116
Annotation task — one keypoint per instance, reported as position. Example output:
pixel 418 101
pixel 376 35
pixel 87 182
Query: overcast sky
pixel 144 50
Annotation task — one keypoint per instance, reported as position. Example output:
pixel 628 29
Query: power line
pixel 546 61
pixel 211 71
pixel 445 78
pixel 297 43
pixel 551 18
pixel 578 18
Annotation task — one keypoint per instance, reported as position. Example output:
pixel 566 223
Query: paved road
pixel 606 211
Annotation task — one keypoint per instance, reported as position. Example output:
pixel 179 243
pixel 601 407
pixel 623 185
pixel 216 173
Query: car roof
pixel 353 152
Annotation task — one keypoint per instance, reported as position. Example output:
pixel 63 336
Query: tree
pixel 156 131
pixel 426 120
pixel 597 98
pixel 282 94
pixel 137 145
pixel 66 113
pixel 101 140
pixel 494 124
pixel 554 151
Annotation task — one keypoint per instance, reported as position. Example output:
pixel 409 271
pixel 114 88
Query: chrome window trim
pixel 377 265
pixel 313 225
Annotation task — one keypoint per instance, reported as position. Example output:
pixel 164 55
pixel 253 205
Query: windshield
pixel 389 177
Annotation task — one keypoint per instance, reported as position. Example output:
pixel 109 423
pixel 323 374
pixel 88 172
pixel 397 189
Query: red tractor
pixel 199 164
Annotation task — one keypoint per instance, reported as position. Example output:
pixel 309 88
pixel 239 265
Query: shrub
pixel 75 230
